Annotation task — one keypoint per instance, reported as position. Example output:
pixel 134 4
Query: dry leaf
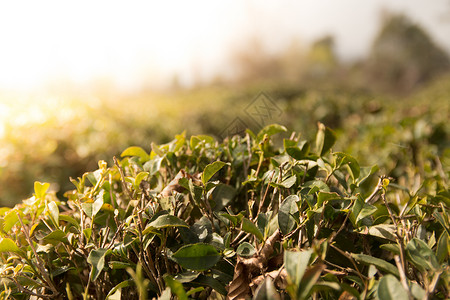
pixel 347 296
pixel 248 270
pixel 278 277
pixel 239 287
pixel 174 184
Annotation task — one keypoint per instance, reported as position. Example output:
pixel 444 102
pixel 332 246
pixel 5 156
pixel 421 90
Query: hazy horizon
pixel 148 43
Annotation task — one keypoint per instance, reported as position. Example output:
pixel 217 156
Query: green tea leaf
pixel 417 291
pixel 56 236
pixel 123 284
pixel 296 151
pixel 263 221
pixel 139 177
pixel 165 221
pixel 40 189
pixel 325 139
pixel 421 255
pixel 270 130
pixel 136 151
pixel 152 166
pixel 245 250
pixel 157 150
pixel 289 182
pixel 315 186
pixel 198 257
pixel 249 227
pixel 54 212
pixel 222 195
pixel 325 197
pixel 235 219
pixel 119 265
pixel 187 276
pixel 350 161
pixel 198 140
pixel 366 210
pixel 211 169
pixel 385 231
pixel 381 264
pixel 192 291
pixel 390 288
pixel 288 207
pixel 58 271
pixel 212 283
pixel 91 208
pixel 87 232
pixel 296 264
pixel 8 245
pixel 394 248
pixel 266 291
pixel 443 247
pixel 176 287
pixel 10 220
pixel 308 280
pixel 442 221
pixel 96 259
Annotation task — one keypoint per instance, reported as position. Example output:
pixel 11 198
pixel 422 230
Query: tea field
pixel 322 194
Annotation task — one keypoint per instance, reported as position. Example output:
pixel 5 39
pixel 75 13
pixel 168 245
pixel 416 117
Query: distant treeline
pixel 402 57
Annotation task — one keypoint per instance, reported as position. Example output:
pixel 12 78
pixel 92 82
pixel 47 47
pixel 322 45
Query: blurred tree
pixel 321 58
pixel 253 62
pixel 403 56
pixel 293 60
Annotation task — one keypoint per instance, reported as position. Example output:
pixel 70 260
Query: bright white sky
pixel 136 42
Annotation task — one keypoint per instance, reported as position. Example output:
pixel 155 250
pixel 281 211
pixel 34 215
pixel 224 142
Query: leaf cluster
pixel 243 218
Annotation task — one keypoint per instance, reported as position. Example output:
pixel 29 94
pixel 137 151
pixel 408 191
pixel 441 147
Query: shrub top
pixel 198 218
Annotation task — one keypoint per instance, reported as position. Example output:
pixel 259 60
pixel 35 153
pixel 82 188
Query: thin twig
pixel 383 196
pixel 371 199
pixel 261 203
pixel 38 259
pixel 105 237
pixel 122 176
pixel 349 257
pixel 151 266
pixel 119 229
pixel 261 159
pixel 335 234
pixel 30 292
pixel 319 227
pixel 398 236
pixel 111 191
pixel 249 149
pixel 345 271
pixel 432 286
pixel 403 280
pixel 238 238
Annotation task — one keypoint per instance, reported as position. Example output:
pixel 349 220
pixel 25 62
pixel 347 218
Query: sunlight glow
pixel 147 42
pixel 86 40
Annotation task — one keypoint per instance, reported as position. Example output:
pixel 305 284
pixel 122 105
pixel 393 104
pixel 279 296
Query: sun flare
pixel 85 41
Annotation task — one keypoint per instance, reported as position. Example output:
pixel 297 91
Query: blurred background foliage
pixel 391 108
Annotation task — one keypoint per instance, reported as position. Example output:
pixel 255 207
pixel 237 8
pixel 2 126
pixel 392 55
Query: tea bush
pixel 72 135
pixel 244 218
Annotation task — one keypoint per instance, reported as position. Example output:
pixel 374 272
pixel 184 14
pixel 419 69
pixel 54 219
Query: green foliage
pixel 198 218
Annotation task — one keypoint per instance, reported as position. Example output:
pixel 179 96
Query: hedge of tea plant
pixel 245 218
